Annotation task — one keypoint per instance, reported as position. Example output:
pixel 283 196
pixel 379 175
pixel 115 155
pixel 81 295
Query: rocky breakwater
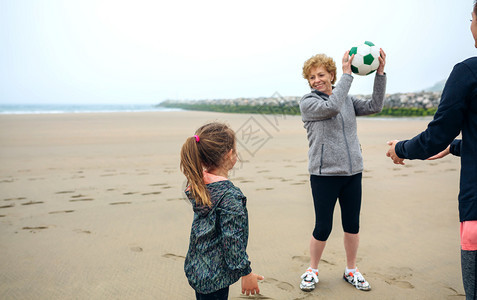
pixel 425 100
pixel 399 104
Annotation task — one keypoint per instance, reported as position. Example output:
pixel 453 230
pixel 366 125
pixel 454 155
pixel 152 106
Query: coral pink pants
pixel 468 235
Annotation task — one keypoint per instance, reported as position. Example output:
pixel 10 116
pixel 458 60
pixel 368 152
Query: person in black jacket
pixel 457 113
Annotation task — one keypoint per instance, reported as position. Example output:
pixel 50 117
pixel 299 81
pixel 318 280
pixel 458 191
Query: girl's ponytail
pixel 192 168
pixel 205 151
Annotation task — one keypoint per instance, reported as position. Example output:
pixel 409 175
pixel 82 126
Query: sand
pixel 91 207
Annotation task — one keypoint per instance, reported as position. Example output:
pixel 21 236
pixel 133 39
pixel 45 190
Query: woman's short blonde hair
pixel 320 60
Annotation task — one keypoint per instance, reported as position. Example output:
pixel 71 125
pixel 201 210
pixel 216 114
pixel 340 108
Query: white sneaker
pixel 310 278
pixel 357 280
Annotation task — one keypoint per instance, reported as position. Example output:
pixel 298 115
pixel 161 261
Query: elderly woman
pixel 335 161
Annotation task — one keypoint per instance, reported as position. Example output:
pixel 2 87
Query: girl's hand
pixel 347 63
pixel 382 62
pixel 250 284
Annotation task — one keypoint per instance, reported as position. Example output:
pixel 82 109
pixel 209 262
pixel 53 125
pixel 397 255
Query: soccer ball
pixel 365 59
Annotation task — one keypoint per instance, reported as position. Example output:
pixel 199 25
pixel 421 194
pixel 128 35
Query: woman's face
pixel 473 28
pixel 320 79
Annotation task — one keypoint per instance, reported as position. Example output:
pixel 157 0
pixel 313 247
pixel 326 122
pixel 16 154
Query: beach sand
pixel 92 207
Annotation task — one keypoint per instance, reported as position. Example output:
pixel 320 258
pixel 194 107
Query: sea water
pixel 77 108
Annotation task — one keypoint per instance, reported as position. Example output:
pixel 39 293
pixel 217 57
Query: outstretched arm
pixel 448 120
pixel 366 107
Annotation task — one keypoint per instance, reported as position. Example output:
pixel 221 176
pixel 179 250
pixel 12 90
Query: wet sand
pixel 91 207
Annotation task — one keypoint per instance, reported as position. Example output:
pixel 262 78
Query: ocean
pixel 77 108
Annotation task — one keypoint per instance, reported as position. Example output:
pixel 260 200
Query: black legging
pixel 325 190
pixel 469 273
pixel 222 294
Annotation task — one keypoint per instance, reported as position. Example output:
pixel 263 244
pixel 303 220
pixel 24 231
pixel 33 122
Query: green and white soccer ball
pixel 366 58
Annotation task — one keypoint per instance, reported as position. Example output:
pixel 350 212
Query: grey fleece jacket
pixel 330 122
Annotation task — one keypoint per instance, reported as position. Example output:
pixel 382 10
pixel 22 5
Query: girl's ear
pixel 229 154
pixel 229 158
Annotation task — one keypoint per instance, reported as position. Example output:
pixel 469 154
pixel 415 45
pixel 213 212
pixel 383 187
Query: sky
pixel 144 52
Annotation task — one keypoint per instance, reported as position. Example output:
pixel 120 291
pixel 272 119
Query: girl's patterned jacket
pixel 217 254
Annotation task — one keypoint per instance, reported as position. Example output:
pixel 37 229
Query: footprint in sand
pixel 279 284
pixel 151 193
pixel 32 229
pixel 108 175
pixel 14 199
pixel 455 292
pixel 301 258
pixel 65 192
pixel 8 206
pixel 306 260
pixel 175 199
pixel 32 202
pixel 142 172
pixel 174 256
pixel 275 177
pixel 136 249
pixel 7 180
pixel 35 179
pixel 245 181
pixel 61 212
pixel 265 189
pixel 83 199
pixel 129 193
pixel 398 278
pixel 158 184
pixel 253 297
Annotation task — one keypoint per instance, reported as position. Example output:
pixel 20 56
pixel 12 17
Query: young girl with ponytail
pixel 217 254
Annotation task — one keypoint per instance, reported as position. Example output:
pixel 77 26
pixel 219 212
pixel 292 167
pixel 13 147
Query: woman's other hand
pixel 382 62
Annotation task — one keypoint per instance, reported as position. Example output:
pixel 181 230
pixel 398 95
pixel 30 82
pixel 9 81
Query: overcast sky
pixel 98 51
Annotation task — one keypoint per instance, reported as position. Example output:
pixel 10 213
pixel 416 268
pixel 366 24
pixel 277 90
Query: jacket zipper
pixel 347 146
pixel 321 158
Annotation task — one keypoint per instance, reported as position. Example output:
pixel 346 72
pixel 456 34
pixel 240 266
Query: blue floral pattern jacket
pixel 217 254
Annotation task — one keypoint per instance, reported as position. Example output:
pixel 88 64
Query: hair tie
pixel 197 138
